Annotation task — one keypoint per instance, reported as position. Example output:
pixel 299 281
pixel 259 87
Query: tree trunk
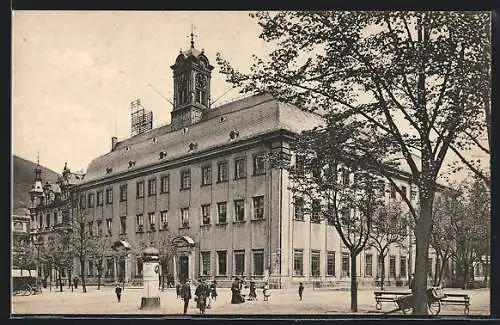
pixel 98 279
pixel 422 231
pixel 382 271
pixel 354 284
pixel 82 268
pixel 60 279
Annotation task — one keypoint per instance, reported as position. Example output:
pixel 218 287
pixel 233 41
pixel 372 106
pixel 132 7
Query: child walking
pixel 301 289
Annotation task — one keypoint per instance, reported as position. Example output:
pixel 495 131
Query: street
pixel 282 302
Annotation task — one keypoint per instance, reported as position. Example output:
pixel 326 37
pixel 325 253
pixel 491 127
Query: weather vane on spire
pixel 193 35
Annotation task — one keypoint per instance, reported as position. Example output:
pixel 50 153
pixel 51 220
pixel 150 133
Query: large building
pixel 208 180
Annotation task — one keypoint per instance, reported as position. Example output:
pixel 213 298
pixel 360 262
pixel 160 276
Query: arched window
pixel 201 89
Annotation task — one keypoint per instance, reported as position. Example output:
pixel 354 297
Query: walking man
pixel 186 294
pixel 301 290
pixel 118 291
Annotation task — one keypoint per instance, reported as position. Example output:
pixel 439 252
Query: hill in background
pixel 22 181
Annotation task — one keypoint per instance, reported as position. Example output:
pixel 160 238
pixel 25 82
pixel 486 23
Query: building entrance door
pixel 183 267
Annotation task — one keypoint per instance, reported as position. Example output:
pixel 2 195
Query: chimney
pixel 114 142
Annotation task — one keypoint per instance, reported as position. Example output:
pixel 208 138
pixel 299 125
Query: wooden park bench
pixel 388 296
pixel 457 299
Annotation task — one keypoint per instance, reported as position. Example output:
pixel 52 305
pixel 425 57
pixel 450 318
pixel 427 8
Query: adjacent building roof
pixel 248 117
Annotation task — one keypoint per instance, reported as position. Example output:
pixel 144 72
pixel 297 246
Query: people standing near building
pixel 252 295
pixel 202 291
pixel 301 290
pixel 266 292
pixel 213 290
pixel 235 292
pixel 412 282
pixel 178 287
pixel 186 294
pixel 118 292
pixel 75 282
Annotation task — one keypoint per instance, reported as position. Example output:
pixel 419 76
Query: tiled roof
pixel 250 117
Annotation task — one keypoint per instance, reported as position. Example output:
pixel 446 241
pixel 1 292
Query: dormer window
pixel 222 119
pixel 127 148
pixel 163 154
pixel 193 146
pixel 234 134
pixel 184 130
pixel 109 170
pixel 131 163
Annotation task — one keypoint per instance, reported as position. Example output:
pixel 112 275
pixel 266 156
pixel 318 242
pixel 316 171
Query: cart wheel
pixel 25 290
pixel 434 307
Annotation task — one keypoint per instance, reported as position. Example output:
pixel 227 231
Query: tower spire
pixel 192 36
pixel 38 170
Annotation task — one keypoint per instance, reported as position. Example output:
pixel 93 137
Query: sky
pixel 76 72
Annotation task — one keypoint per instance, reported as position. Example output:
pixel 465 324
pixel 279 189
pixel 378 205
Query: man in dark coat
pixel 201 293
pixel 178 287
pixel 186 294
pixel 235 291
pixel 412 283
pixel 118 291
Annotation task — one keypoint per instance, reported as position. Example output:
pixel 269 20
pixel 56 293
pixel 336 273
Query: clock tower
pixel 192 73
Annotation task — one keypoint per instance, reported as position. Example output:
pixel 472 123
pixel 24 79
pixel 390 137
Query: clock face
pixel 201 81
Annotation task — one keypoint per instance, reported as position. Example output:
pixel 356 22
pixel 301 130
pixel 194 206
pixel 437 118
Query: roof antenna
pixel 159 93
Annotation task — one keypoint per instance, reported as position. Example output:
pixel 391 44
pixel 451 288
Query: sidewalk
pixel 282 302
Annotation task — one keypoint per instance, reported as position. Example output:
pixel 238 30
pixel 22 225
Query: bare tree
pixel 100 248
pixel 23 257
pixel 58 254
pixel 389 227
pixel 415 82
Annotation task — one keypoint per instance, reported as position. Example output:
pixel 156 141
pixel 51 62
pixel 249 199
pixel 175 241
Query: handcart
pixel 405 303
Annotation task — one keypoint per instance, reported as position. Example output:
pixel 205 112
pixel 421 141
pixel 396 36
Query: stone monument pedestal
pixel 151 268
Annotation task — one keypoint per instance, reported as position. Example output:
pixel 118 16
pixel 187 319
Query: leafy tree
pixel 389 227
pixel 341 194
pixel 413 81
pixel 100 248
pixel 24 257
pixel 58 254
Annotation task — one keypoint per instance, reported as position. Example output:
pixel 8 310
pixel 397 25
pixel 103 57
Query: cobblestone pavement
pixel 282 302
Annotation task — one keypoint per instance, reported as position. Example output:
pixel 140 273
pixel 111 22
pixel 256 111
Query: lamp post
pixel 38 243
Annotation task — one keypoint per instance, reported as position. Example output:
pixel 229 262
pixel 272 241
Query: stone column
pixel 115 261
pixel 127 268
pixel 176 277
pixel 191 265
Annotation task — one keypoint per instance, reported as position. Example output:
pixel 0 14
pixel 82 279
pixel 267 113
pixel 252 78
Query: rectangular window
pixel 315 259
pixel 164 219
pixel 109 223
pixel 393 191
pixel 239 210
pixel 152 187
pixel 91 228
pixel 164 184
pixel 205 214
pixel 185 218
pixel 123 192
pixel 429 266
pixel 205 263
pixel 140 189
pixel 221 263
pixel 299 208
pixel 345 176
pixel 47 220
pixel 299 165
pixel 330 264
pixel 152 221
pixel 240 168
pixel 91 268
pixel 206 175
pixel 185 179
pixel 368 265
pixel 413 192
pixel 109 196
pixel 239 262
pixel 298 262
pixel 139 222
pixel 110 268
pixel 123 225
pixel 316 209
pixel 138 262
pixel 392 266
pixel 258 262
pixel 100 198
pixel 402 266
pixel 99 227
pixel 90 203
pixel 82 201
pixel 259 165
pixel 221 212
pixel 222 171
pixel 258 207
pixel 345 264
